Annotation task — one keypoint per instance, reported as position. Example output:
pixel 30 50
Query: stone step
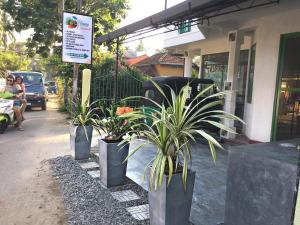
pixel 94 173
pixel 140 212
pixel 89 165
pixel 125 196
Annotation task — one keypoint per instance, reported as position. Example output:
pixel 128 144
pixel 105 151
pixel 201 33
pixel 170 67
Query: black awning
pixel 189 9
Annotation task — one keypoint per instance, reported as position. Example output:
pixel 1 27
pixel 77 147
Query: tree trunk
pixel 66 91
pixel 75 87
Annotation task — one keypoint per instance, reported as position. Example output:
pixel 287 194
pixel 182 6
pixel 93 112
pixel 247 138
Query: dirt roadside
pixel 29 195
pixel 40 203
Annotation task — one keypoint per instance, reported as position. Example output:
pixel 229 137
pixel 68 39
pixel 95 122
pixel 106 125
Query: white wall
pixel 268 32
pixel 267 25
pixel 174 38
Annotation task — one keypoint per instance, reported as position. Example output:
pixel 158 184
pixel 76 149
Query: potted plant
pixel 111 154
pixel 81 129
pixel 175 126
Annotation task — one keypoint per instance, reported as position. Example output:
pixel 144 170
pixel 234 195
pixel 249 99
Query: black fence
pixel 128 83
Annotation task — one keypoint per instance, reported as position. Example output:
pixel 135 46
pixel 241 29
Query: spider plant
pixel 176 126
pixel 84 115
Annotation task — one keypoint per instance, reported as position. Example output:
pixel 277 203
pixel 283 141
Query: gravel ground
pixel 87 202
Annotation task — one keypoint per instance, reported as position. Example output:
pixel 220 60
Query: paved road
pixel 28 193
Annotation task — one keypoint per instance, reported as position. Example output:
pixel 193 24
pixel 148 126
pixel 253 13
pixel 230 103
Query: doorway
pixel 215 67
pixel 286 120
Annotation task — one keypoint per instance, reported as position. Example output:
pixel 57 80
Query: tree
pixel 6 33
pixel 159 51
pixel 140 47
pixel 10 61
pixel 44 17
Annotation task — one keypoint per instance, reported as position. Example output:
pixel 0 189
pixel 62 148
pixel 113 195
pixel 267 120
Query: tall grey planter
pixel 112 168
pixel 80 142
pixel 171 205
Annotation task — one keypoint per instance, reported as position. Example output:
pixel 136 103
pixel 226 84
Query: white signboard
pixel 77 38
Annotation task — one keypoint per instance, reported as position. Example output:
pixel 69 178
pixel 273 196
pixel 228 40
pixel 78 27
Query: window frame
pixel 251 73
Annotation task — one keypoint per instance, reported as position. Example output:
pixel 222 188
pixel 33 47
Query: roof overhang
pixel 189 9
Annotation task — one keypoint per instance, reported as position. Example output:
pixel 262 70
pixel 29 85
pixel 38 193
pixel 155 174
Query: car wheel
pixel 44 107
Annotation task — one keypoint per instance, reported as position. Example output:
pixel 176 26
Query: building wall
pixel 174 38
pixel 267 39
pixel 167 70
pixel 263 26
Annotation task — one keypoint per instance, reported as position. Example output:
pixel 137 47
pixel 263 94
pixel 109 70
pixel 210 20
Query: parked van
pixel 36 94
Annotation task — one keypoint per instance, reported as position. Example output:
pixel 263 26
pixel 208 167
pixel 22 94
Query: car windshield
pixel 51 83
pixel 31 78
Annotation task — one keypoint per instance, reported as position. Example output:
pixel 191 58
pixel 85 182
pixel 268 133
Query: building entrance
pixel 286 122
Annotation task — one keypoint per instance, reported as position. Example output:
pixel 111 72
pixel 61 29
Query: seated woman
pixel 10 87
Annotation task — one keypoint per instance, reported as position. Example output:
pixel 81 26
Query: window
pixel 214 67
pixel 251 74
pixel 184 27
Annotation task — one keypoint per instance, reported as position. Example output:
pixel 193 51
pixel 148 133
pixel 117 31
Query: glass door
pixel 241 89
pixel 286 122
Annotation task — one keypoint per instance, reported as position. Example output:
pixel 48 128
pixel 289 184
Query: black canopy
pixel 188 9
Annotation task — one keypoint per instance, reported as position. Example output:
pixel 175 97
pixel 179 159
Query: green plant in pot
pixel 83 119
pixel 174 128
pixel 112 154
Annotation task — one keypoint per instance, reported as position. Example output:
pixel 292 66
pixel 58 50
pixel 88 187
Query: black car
pixel 36 94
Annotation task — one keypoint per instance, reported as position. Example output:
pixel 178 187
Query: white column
pixel 200 66
pixel 188 63
pixel 231 82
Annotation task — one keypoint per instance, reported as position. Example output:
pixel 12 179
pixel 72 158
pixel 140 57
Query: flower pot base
pixel 171 205
pixel 112 168
pixel 81 141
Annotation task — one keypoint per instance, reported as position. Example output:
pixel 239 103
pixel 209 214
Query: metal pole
pixel 75 71
pixel 117 71
pixel 166 4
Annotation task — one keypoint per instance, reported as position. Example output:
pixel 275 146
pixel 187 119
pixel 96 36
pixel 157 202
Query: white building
pixel 255 55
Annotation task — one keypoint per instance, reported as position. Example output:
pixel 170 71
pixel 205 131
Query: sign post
pixel 77 43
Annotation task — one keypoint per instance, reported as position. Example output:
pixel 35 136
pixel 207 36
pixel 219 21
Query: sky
pixel 139 9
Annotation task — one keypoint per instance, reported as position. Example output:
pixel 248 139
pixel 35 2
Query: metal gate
pixel 128 83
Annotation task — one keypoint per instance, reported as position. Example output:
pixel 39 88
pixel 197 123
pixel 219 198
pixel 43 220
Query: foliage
pixel 176 126
pixel 159 51
pixel 140 47
pixel 44 17
pixel 84 114
pixel 12 61
pixel 114 125
pixel 6 33
pixel 6 95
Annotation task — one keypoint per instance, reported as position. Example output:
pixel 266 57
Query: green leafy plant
pixel 177 125
pixel 118 121
pixel 84 114
pixel 6 95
